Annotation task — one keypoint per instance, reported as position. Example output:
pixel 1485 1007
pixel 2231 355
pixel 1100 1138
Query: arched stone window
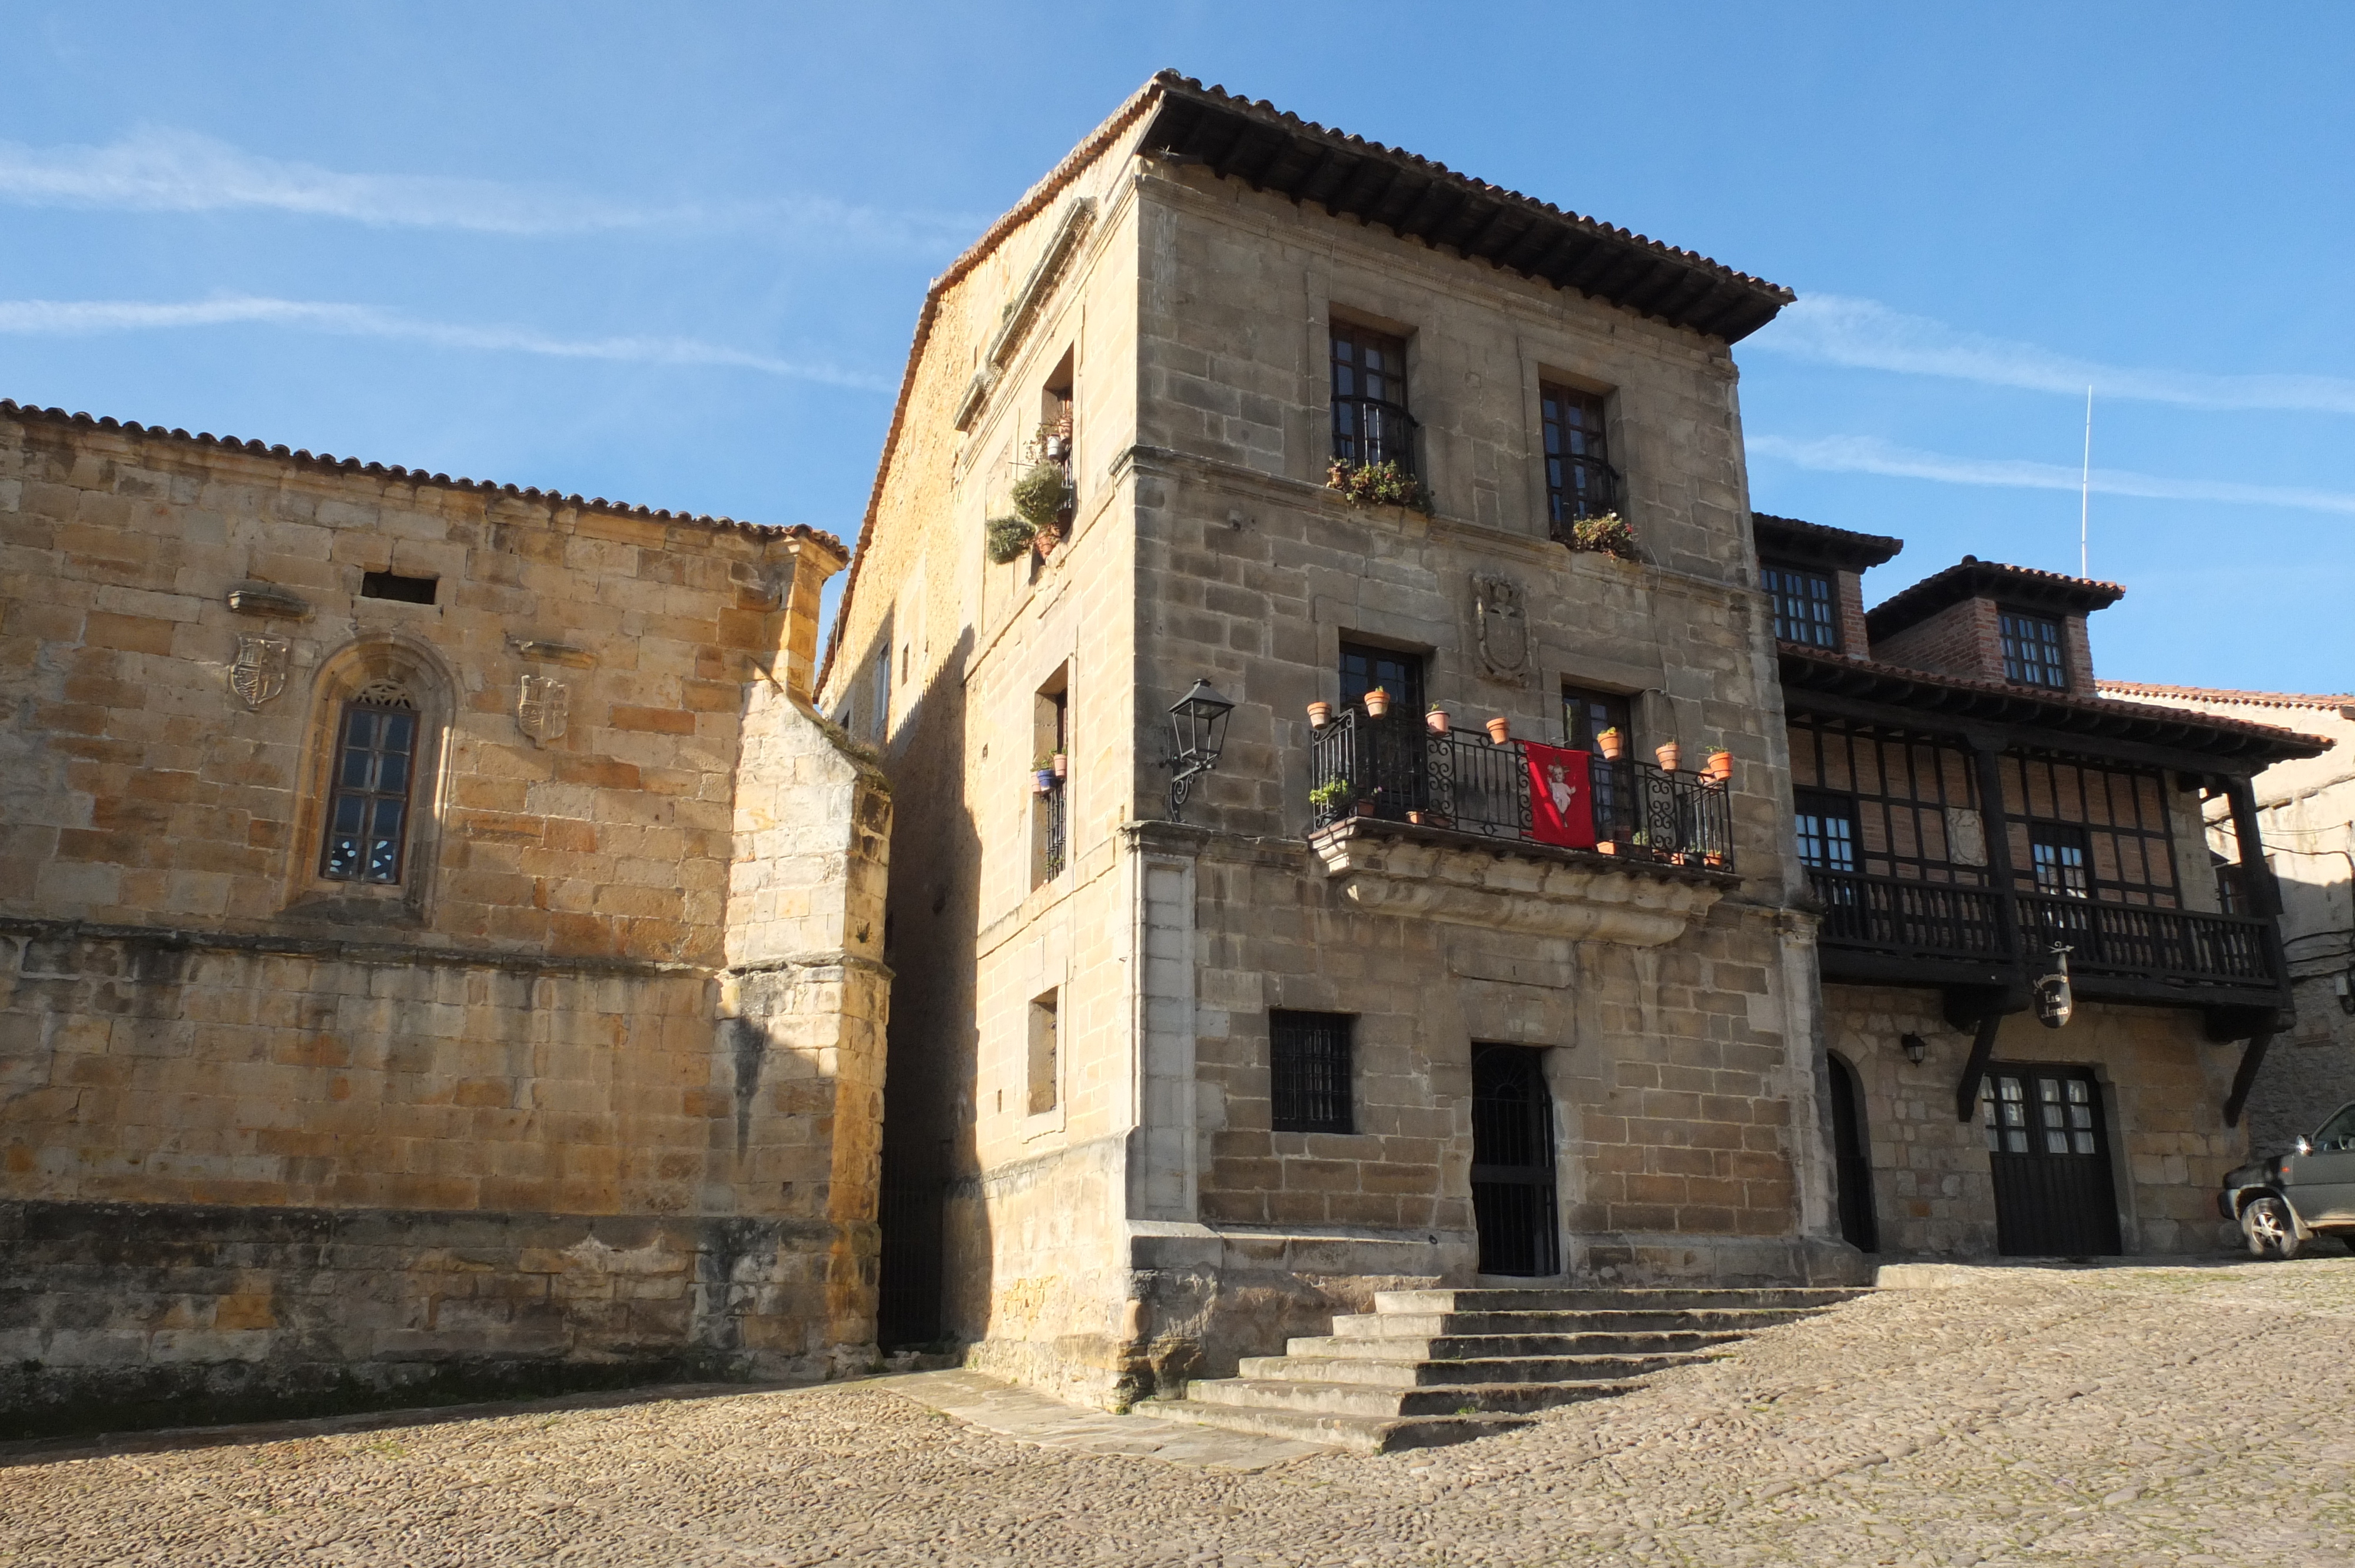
pixel 365 828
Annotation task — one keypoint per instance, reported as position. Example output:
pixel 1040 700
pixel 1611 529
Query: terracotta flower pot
pixel 1604 847
pixel 1720 766
pixel 1377 703
pixel 1436 721
pixel 1319 714
pixel 1364 808
pixel 1670 753
pixel 1611 744
pixel 1500 729
pixel 1062 765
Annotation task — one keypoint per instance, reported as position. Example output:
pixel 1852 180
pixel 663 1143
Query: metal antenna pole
pixel 2085 486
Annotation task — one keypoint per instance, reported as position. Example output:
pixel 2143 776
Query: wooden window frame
pixel 1802 614
pixel 1579 480
pixel 1347 378
pixel 1407 696
pixel 368 799
pixel 2030 655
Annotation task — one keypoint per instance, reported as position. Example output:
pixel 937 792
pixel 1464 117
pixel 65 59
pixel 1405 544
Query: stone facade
pixel 1136 1215
pixel 585 1086
pixel 2306 816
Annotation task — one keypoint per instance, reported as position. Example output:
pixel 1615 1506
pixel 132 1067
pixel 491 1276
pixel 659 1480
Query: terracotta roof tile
pixel 9 407
pixel 1972 578
pixel 2223 694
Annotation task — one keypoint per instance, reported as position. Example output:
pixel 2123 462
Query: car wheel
pixel 2270 1231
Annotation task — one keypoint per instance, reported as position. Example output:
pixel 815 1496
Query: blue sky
pixel 673 255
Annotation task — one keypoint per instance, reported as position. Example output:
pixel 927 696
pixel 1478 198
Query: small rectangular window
pixel 1579 480
pixel 2058 852
pixel 1044 1047
pixel 1827 831
pixel 1309 1071
pixel 1050 727
pixel 1370 424
pixel 1807 605
pixel 393 586
pixel 1585 715
pixel 367 805
pixel 2031 651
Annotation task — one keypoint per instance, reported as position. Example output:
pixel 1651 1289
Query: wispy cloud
pixel 69 317
pixel 1868 454
pixel 1833 329
pixel 155 170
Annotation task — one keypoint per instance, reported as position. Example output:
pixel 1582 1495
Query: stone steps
pixel 1443 1366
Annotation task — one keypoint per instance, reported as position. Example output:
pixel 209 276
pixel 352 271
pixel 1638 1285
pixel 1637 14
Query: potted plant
pixel 1042 495
pixel 1007 537
pixel 1043 775
pixel 1720 765
pixel 1670 753
pixel 1384 483
pixel 1062 765
pixel 1319 714
pixel 1611 743
pixel 1435 720
pixel 1500 729
pixel 1607 534
pixel 1331 797
pixel 1377 703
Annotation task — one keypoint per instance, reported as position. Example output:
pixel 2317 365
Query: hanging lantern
pixel 1198 723
pixel 2055 1001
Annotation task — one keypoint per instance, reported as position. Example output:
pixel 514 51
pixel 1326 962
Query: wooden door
pixel 2049 1157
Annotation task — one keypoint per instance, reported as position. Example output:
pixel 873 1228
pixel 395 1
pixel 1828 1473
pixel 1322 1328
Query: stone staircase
pixel 1441 1366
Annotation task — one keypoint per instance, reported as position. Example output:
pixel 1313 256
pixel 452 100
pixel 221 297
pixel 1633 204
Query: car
pixel 2284 1202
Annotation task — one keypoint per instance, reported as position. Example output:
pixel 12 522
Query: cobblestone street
pixel 2160 1415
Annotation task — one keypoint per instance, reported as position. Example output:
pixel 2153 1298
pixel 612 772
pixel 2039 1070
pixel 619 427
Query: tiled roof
pixel 1804 669
pixel 1972 578
pixel 1413 197
pixel 9 407
pixel 2220 694
pixel 1813 541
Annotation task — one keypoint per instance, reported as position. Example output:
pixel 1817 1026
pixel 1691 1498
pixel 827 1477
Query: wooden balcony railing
pixel 1933 922
pixel 1395 768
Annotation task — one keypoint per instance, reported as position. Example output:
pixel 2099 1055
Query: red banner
pixel 1562 797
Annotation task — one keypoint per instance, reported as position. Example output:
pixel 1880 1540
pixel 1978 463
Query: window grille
pixel 367 808
pixel 1309 1071
pixel 1807 606
pixel 1579 480
pixel 2031 651
pixel 1370 424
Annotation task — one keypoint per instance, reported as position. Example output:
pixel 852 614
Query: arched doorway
pixel 1512 1163
pixel 1851 1159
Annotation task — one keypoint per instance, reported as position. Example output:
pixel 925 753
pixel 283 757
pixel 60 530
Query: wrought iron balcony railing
pixel 1395 768
pixel 1930 922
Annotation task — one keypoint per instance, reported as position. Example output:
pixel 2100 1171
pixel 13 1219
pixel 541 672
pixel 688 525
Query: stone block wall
pixel 627 985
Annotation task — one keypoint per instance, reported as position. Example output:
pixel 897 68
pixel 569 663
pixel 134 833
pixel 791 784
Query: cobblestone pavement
pixel 2117 1417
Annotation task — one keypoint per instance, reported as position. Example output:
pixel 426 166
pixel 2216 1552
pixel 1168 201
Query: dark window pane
pixel 1578 478
pixel 1400 675
pixel 1369 417
pixel 1310 1078
pixel 371 788
pixel 1807 606
pixel 350 810
pixel 2031 651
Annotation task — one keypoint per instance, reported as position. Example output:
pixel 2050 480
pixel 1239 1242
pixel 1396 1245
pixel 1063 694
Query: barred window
pixel 1370 424
pixel 368 809
pixel 1309 1071
pixel 2031 651
pixel 1807 606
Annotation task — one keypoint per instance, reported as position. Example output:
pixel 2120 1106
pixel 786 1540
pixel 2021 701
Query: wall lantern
pixel 1916 1048
pixel 2055 1001
pixel 1198 723
pixel 2344 984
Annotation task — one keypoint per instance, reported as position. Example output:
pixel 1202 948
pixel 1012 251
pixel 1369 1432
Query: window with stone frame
pixel 2032 651
pixel 1364 667
pixel 368 818
pixel 1579 480
pixel 1807 605
pixel 1371 422
pixel 1042 1063
pixel 1311 1076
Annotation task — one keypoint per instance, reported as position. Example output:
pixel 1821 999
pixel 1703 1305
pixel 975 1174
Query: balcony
pixel 1416 823
pixel 1898 932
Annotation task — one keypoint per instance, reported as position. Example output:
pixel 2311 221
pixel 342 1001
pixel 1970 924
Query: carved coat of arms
pixel 540 710
pixel 1502 626
pixel 258 671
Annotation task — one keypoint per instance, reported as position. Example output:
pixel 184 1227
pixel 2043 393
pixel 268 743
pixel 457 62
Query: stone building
pixel 1966 799
pixel 1164 1091
pixel 2305 819
pixel 440 945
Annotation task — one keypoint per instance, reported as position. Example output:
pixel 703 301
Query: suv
pixel 2285 1203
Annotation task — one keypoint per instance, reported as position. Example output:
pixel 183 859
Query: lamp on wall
pixel 2055 1000
pixel 1198 723
pixel 1916 1048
